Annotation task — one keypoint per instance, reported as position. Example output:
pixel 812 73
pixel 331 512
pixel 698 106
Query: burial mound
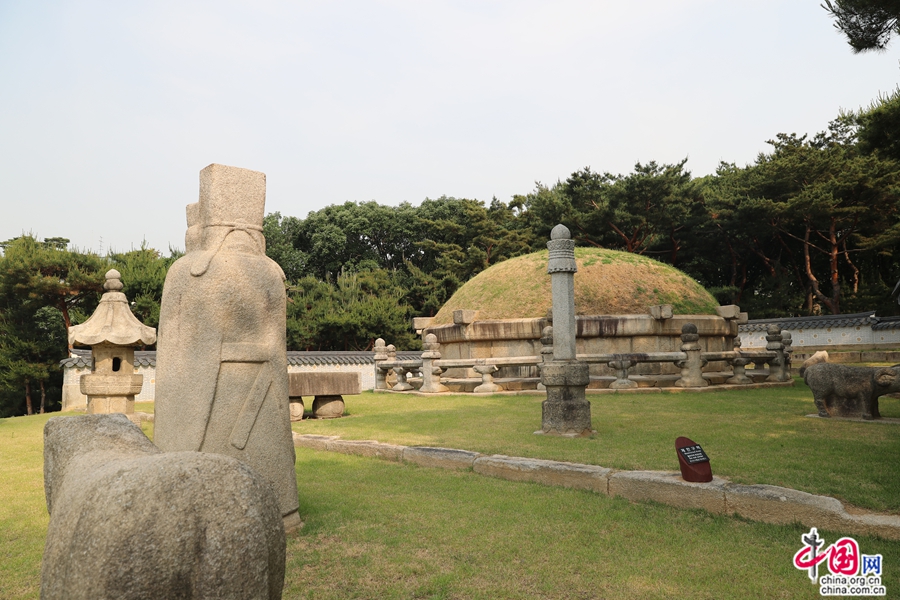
pixel 608 282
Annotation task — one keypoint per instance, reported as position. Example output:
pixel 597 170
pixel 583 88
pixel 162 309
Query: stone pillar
pixel 692 366
pixel 788 343
pixel 431 375
pixel 546 351
pixel 565 411
pixel 777 366
pixel 381 355
pixel 562 269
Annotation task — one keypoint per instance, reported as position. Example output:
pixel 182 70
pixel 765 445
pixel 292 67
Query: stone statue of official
pixel 221 375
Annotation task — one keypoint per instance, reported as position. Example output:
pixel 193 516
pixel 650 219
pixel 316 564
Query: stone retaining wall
pixel 598 334
pixel 766 503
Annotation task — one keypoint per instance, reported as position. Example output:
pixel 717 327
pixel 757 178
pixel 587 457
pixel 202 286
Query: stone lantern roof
pixel 113 321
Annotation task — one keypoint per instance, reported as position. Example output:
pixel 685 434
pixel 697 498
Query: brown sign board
pixel 693 461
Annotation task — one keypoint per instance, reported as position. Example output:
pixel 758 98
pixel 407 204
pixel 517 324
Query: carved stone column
pixel 431 375
pixel 692 366
pixel 565 411
pixel 381 355
pixel 777 366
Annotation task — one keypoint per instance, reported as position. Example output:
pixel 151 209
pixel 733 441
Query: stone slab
pixel 669 488
pixel 774 504
pixel 443 458
pixel 885 526
pixel 327 383
pixel 547 472
pixel 367 448
pixel 313 442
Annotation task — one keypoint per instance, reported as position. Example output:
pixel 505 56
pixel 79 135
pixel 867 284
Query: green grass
pixel 605 284
pixel 377 529
pixel 753 436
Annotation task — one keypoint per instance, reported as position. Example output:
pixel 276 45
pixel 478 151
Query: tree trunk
pixel 853 267
pixel 830 303
pixel 28 407
pixel 43 397
pixel 64 309
pixel 833 256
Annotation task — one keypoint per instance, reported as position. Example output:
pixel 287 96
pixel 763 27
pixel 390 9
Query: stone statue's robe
pixel 221 378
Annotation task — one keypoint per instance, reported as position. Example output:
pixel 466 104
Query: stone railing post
pixel 381 356
pixel 787 341
pixel 692 366
pixel 777 365
pixel 431 374
pixel 546 351
pixel 738 366
pixel 565 411
pixel 622 381
pixel 402 385
pixel 487 378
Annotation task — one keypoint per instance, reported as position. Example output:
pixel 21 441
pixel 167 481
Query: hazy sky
pixel 109 110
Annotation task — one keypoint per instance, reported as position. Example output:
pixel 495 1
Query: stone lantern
pixel 112 332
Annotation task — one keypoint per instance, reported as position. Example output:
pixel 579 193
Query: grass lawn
pixel 752 436
pixel 376 529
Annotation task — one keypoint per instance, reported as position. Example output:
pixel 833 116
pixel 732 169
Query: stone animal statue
pixel 844 391
pixel 819 357
pixel 128 521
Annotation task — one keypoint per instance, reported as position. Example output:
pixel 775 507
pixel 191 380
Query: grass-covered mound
pixel 608 282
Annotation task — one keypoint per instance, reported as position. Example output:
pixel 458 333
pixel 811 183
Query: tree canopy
pixel 868 24
pixel 811 226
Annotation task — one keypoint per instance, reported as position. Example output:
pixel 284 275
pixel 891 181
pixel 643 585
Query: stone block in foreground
pixel 442 458
pixel 774 504
pixel 669 488
pixel 366 448
pixel 548 472
pixel 313 442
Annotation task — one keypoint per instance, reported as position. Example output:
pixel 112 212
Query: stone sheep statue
pixel 844 391
pixel 128 521
pixel 819 357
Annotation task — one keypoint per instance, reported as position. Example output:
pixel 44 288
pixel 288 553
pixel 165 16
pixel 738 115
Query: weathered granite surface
pixel 845 391
pixel 128 521
pixel 222 383
pixel 113 332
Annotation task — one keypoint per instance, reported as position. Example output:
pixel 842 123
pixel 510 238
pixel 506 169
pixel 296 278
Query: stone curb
pixel 548 472
pixel 669 488
pixel 368 448
pixel 765 503
pixel 313 442
pixel 441 458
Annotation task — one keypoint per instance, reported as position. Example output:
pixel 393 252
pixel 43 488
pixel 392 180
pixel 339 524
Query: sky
pixel 109 110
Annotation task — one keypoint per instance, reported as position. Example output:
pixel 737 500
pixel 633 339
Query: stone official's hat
pixel 231 196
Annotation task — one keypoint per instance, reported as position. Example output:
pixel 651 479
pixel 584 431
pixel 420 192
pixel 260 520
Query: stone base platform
pixel 646 383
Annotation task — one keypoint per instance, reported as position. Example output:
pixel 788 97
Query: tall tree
pixel 43 286
pixel 48 274
pixel 868 24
